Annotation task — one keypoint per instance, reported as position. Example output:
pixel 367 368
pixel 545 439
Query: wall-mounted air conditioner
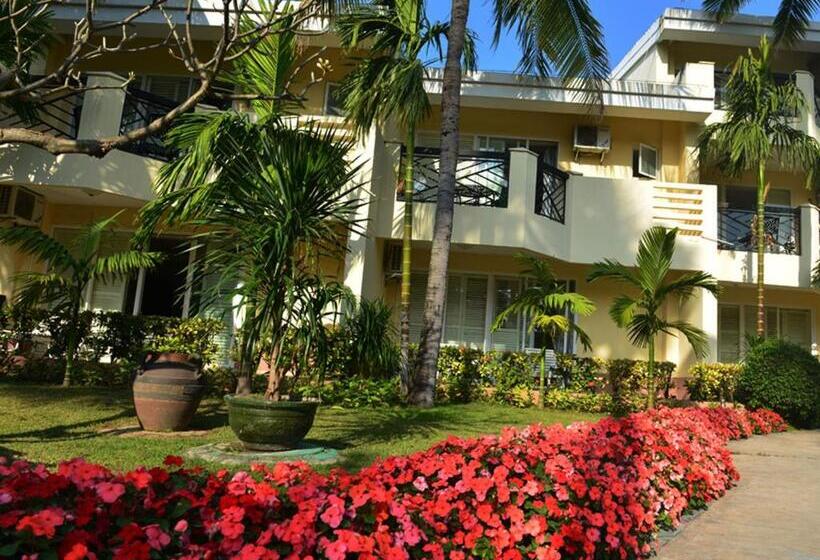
pixel 21 205
pixel 591 140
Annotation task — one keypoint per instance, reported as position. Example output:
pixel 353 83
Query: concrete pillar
pixel 809 242
pixel 102 108
pixel 363 272
pixel 806 120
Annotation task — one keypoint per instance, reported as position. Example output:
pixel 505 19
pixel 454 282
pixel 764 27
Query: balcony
pixel 736 231
pixel 581 219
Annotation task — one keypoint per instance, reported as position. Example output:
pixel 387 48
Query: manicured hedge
pixel 597 490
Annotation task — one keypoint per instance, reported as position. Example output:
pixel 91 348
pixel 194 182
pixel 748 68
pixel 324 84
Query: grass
pixel 50 424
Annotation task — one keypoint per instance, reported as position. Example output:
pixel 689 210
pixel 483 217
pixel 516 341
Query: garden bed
pixel 591 490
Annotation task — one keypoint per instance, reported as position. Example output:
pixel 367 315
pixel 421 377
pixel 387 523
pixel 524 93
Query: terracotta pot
pixel 167 391
pixel 263 425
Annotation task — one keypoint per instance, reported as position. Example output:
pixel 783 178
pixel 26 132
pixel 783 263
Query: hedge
pixel 586 491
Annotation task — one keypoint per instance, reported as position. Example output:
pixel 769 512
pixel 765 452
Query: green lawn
pixel 50 424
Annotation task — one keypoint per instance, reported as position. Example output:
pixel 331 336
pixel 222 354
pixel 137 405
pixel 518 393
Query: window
pixel 162 290
pixel 179 88
pixel 508 336
pixel 333 106
pixel 645 162
pixel 738 322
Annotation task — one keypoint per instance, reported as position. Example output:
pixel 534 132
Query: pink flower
pixel 157 538
pixel 181 526
pixel 110 492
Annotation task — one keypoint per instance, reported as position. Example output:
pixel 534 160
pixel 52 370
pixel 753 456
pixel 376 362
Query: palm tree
pixel 560 36
pixel 640 314
pixel 267 216
pixel 71 268
pixel 388 85
pixel 758 129
pixel 790 24
pixel 546 303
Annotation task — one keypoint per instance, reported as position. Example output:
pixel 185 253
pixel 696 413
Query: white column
pixel 363 272
pixel 809 242
pixel 807 122
pixel 102 108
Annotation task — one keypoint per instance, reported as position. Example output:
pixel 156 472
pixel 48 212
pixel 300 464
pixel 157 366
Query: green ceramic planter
pixel 269 426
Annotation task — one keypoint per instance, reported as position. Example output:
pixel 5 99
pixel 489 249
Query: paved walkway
pixel 772 514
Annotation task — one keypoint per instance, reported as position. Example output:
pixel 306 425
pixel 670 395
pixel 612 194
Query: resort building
pixel 538 173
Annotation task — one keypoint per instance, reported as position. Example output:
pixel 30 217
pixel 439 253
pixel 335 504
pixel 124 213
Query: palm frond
pixel 561 36
pixel 32 241
pixel 37 288
pixel 654 259
pixel 122 264
pixel 613 270
pixel 623 310
pixel 685 286
pixel 793 19
pixel 696 337
pixel 722 10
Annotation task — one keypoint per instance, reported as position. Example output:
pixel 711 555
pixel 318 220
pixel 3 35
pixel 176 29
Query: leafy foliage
pixel 784 377
pixel 640 314
pixel 790 23
pixel 713 382
pixel 369 335
pixel 70 270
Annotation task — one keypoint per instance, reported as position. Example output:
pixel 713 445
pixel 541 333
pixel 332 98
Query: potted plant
pixel 169 384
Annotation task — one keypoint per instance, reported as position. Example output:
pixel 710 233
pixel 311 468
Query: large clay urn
pixel 167 391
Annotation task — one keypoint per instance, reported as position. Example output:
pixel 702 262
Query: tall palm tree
pixel 790 24
pixel 388 85
pixel 556 36
pixel 267 216
pixel 757 130
pixel 640 314
pixel 70 269
pixel 546 303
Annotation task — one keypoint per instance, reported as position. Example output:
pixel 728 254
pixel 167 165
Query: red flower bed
pixel 586 491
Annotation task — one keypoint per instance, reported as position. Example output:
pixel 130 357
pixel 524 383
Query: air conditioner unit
pixel 592 140
pixel 21 205
pixel 393 257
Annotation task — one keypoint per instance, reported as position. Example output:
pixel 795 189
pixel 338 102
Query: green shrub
pixel 195 336
pixel 507 377
pixel 628 380
pixel 49 371
pixel 713 382
pixel 459 377
pixel 582 373
pixel 783 377
pixel 567 399
pixel 368 336
pixel 354 392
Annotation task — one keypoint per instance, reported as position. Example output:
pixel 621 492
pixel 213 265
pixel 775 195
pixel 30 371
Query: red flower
pixel 173 461
pixel 43 523
pixel 110 492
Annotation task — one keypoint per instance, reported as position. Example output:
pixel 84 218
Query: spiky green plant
pixel 546 302
pixel 70 269
pixel 387 84
pixel 640 312
pixel 759 131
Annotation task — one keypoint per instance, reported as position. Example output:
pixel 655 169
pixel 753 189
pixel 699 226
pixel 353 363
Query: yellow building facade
pixel 538 174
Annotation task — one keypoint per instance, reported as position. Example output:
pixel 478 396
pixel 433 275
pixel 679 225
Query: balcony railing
pixel 482 178
pixel 736 230
pixel 57 114
pixel 139 109
pixel 551 191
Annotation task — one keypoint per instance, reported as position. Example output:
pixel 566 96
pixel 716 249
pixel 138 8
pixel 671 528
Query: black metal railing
pixel 551 191
pixel 482 178
pixel 57 113
pixel 139 109
pixel 736 231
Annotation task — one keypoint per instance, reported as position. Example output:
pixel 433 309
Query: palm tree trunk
pixel 406 260
pixel 71 341
pixel 542 375
pixel 422 391
pixel 650 371
pixel 761 247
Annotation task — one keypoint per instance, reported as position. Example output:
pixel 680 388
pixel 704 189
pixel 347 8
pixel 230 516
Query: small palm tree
pixel 546 303
pixel 640 314
pixel 758 129
pixel 70 270
pixel 388 85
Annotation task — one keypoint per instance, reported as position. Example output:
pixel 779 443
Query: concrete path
pixel 772 514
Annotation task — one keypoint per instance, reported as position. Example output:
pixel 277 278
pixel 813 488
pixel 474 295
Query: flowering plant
pixel 590 490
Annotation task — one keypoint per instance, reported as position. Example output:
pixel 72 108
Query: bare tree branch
pixel 92 39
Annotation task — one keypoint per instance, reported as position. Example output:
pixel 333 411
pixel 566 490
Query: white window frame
pixel 640 172
pixel 777 308
pixel 326 101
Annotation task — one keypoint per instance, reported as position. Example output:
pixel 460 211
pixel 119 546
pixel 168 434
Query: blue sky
pixel 624 21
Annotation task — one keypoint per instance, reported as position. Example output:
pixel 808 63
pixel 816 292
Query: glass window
pixel 728 333
pixel 508 337
pixel 465 309
pixel 795 326
pixel 333 106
